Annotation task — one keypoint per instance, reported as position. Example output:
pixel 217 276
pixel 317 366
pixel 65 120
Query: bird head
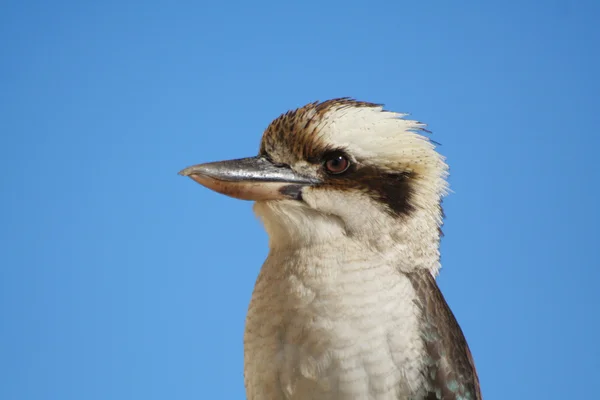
pixel 339 168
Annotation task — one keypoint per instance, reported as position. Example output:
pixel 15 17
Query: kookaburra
pixel 346 306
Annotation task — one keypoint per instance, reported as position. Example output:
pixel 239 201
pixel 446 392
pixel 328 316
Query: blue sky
pixel 121 280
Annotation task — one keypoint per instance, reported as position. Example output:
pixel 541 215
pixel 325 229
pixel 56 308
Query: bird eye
pixel 336 163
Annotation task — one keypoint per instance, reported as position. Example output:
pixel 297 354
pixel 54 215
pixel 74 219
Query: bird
pixel 346 304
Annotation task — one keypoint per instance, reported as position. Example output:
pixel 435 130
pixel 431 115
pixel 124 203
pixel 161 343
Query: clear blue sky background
pixel 121 280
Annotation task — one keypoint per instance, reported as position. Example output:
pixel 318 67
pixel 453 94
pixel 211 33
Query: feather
pixel 449 372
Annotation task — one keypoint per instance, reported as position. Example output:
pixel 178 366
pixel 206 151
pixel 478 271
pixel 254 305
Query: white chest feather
pixel 322 325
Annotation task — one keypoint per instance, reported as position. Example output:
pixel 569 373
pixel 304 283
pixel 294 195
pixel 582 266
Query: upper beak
pixel 253 178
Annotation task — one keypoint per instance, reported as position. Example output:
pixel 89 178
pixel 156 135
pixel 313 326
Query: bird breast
pixel 331 324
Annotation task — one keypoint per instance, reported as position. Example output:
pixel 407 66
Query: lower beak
pixel 252 178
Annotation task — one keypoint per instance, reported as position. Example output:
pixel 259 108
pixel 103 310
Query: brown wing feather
pixel 450 371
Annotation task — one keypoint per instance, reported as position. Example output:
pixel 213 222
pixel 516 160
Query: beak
pixel 252 178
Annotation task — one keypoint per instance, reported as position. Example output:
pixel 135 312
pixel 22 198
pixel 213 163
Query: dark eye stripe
pixel 393 189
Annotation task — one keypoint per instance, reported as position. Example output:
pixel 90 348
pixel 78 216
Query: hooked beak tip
pixel 185 172
pixel 193 170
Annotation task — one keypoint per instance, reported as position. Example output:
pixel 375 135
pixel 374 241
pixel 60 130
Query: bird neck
pixel 410 244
